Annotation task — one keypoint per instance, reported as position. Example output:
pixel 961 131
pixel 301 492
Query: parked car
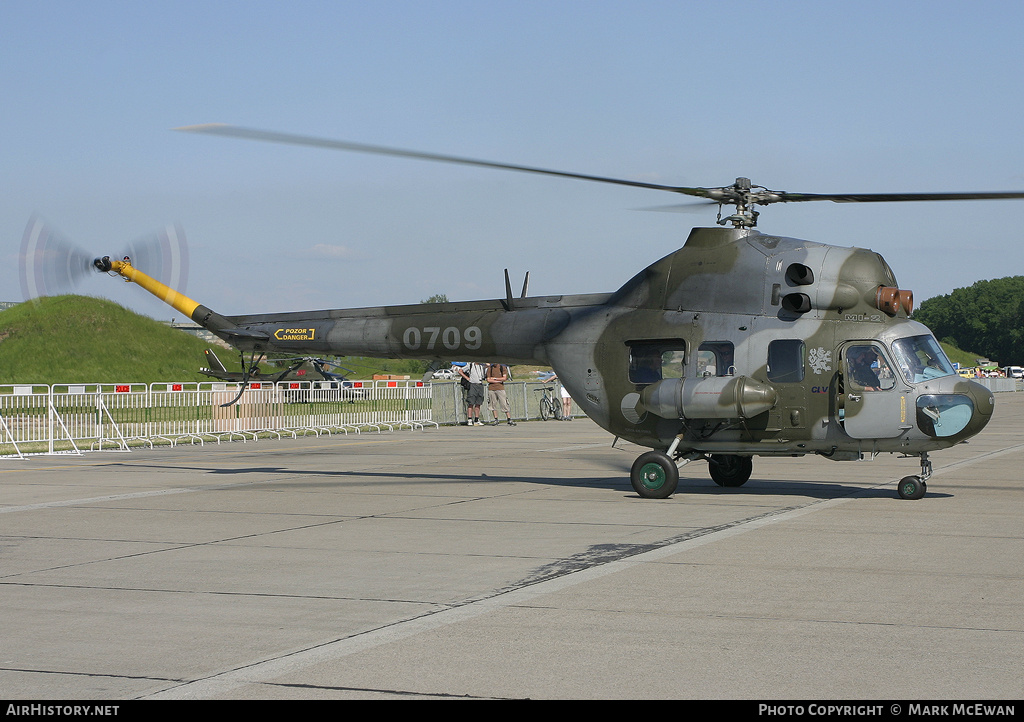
pixel 444 374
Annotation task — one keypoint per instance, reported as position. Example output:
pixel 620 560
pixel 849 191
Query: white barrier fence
pixel 1000 385
pixel 69 418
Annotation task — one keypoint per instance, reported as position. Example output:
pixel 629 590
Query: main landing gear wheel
pixel 911 487
pixel 654 475
pixel 730 469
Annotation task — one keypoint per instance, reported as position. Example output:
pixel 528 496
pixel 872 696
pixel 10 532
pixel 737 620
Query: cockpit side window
pixel 716 358
pixel 786 360
pixel 921 358
pixel 651 361
pixel 868 369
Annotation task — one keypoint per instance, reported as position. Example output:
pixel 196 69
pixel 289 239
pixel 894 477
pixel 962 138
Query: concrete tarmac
pixel 499 562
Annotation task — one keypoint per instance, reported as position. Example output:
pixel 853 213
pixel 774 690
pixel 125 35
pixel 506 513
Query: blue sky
pixel 815 97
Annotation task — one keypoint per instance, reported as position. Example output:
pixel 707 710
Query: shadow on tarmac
pixel 688 487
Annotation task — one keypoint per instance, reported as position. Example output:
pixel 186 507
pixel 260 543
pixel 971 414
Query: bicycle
pixel 549 407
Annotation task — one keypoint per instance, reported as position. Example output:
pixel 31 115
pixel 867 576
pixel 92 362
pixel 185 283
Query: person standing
pixel 474 373
pixel 566 398
pixel 566 404
pixel 497 375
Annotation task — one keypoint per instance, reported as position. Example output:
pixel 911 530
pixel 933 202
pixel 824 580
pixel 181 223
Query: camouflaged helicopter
pixel 739 344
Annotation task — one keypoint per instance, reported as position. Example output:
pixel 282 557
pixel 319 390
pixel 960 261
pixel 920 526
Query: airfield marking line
pixel 264 671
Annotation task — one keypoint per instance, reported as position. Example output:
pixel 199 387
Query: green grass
pixel 79 339
pixel 964 358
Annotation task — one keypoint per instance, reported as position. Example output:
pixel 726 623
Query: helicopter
pixel 316 372
pixel 738 344
pixel 301 368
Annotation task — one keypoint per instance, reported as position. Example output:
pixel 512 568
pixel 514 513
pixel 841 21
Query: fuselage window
pixel 716 358
pixel 651 361
pixel 786 360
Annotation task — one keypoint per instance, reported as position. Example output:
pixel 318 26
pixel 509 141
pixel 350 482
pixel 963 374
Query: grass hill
pixel 79 339
pixel 964 358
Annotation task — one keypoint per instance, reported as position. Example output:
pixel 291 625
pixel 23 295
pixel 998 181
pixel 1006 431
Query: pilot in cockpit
pixel 861 359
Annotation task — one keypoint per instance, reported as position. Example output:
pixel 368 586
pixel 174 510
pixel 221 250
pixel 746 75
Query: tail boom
pixel 485 330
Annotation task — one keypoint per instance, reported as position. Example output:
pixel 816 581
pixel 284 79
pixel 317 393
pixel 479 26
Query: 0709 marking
pixel 452 338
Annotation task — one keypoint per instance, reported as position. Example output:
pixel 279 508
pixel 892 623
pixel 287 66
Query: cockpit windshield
pixel 921 358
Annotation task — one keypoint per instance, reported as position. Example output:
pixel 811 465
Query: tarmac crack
pixel 98 675
pixel 381 691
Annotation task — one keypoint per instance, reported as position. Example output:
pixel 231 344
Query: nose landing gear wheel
pixel 911 487
pixel 654 475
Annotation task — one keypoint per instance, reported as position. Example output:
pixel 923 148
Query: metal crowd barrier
pixel 70 418
pixel 523 400
pixel 73 418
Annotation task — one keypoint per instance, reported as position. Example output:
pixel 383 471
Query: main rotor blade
pixel 784 197
pixel 691 207
pixel 234 131
pixel 735 195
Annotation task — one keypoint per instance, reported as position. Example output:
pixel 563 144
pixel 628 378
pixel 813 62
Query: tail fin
pixel 214 362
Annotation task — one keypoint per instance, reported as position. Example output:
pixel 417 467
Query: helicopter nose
pixel 963 411
pixel 984 405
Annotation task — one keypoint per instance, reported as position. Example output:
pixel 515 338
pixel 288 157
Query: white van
pixel 1014 372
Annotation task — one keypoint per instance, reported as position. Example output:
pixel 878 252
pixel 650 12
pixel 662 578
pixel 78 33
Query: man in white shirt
pixel 474 373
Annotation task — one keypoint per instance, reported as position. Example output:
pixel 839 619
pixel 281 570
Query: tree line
pixel 987 318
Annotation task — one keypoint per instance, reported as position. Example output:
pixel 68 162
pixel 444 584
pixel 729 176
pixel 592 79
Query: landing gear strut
pixel 914 487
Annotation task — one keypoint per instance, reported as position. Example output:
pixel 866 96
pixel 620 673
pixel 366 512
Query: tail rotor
pixel 52 265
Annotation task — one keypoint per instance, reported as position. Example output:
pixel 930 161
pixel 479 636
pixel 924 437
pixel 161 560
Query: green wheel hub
pixel 652 475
